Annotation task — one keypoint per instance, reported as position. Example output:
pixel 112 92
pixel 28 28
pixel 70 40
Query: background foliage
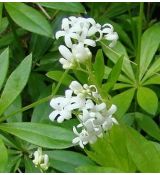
pixel 128 75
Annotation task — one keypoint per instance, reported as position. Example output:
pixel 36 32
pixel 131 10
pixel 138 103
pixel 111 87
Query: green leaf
pixel 99 66
pixel 28 18
pixel 155 68
pixel 123 101
pixel 115 53
pixel 15 106
pixel 67 161
pixel 3 157
pixel 142 152
pixel 55 75
pixel 111 151
pixel 147 99
pixel 149 45
pixel 15 83
pixel 64 6
pixel 9 38
pixel 43 135
pixel 4 62
pixel 114 75
pixel 29 166
pixel 148 125
pixel 1 8
pixel 4 24
pixel 97 169
pixel 153 80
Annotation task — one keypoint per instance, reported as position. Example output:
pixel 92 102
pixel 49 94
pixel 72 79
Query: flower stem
pixel 42 100
pixel 139 40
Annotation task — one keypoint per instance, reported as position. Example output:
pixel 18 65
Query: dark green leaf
pixel 99 66
pixel 4 62
pixel 64 6
pixel 55 75
pixel 148 125
pixel 15 83
pixel 28 18
pixel 67 161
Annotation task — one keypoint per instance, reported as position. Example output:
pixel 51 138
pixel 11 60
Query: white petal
pixel 76 140
pixel 90 42
pixel 92 31
pixel 101 107
pixel 65 52
pixel 68 41
pixel 68 93
pixel 75 85
pixel 59 34
pixel 75 131
pixel 60 119
pixel 112 110
pixel 53 115
pixel 65 24
pixel 81 144
pixel 111 36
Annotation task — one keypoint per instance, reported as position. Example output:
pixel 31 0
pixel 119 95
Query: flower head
pixel 41 159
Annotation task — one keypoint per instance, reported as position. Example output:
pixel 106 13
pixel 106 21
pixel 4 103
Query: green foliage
pixel 15 83
pixel 126 75
pixel 4 157
pixel 28 18
pixel 40 134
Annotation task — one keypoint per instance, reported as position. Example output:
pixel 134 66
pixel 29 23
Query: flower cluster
pixel 86 103
pixel 79 33
pixel 41 160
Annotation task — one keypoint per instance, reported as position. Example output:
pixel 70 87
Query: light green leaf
pixel 147 99
pixel 97 169
pixel 55 75
pixel 67 161
pixel 15 83
pixel 64 6
pixel 153 80
pixel 115 53
pixel 149 45
pixel 3 157
pixel 28 18
pixel 142 152
pixel 43 135
pixel 123 101
pixel 114 75
pixel 155 68
pixel 148 125
pixel 4 62
pixel 99 66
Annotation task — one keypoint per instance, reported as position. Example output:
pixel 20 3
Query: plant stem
pixel 139 40
pixel 45 99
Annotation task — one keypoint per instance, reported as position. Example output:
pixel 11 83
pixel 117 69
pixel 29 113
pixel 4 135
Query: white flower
pixel 79 54
pixel 108 123
pixel 62 107
pixel 67 32
pixel 84 91
pixel 83 138
pixel 40 159
pixel 109 34
pixel 68 60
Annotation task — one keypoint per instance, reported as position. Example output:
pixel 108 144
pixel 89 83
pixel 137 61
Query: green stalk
pixel 140 22
pixel 45 99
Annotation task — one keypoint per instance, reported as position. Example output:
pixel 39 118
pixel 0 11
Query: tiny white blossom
pixel 109 34
pixel 41 159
